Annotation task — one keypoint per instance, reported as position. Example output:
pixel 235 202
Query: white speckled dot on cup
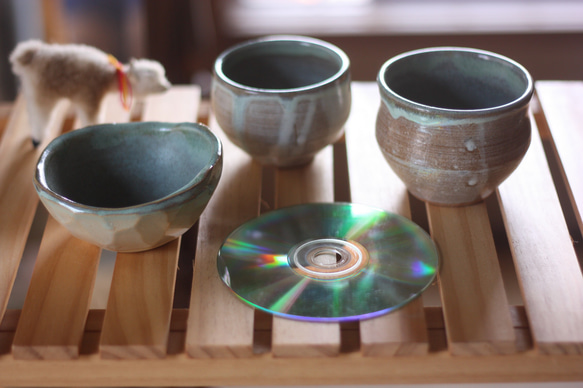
pixel 129 187
pixel 453 122
pixel 282 98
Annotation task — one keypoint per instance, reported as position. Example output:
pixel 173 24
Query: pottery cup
pixel 282 98
pixel 453 122
pixel 131 186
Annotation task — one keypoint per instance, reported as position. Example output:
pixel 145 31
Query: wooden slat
pixel 260 371
pixel 137 319
pixel 545 261
pixel 18 200
pixel 373 182
pixel 310 183
pixel 53 321
pixel 219 325
pixel 179 104
pixel 94 322
pixel 475 308
pixel 53 316
pixel 563 111
pixel 545 268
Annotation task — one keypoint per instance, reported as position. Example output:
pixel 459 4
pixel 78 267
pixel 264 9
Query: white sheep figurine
pixel 83 74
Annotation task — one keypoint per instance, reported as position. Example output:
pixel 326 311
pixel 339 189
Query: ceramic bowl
pixel 453 122
pixel 282 98
pixel 129 187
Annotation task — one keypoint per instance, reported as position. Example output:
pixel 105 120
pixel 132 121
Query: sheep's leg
pixel 39 115
pixel 90 113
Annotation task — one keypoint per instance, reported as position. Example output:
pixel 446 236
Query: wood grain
pixel 373 183
pixel 222 326
pixel 563 112
pixel 179 104
pixel 53 317
pixel 57 303
pixel 306 184
pixel 18 199
pixel 137 319
pixel 219 325
pixel 180 370
pixel 475 308
pixel 546 264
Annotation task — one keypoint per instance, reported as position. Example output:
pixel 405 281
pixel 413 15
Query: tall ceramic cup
pixel 453 122
pixel 282 98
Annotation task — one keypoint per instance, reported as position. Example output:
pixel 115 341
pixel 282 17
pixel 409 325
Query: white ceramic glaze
pixel 282 98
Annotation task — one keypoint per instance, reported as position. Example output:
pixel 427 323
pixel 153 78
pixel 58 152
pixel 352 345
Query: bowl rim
pixel 39 179
pixel 524 98
pixel 305 40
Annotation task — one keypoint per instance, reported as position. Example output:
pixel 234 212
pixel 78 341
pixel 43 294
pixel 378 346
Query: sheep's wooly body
pixel 83 74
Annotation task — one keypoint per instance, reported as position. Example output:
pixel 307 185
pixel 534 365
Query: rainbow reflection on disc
pixel 328 262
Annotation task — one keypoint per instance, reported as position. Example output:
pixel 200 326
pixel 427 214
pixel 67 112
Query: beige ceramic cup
pixel 453 122
pixel 282 98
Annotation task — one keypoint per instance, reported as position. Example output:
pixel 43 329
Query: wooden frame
pixel 140 339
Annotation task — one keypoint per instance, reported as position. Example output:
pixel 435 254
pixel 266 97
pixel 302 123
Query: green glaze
pixel 464 85
pixel 132 186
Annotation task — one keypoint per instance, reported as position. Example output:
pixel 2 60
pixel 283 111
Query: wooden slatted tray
pixel 168 322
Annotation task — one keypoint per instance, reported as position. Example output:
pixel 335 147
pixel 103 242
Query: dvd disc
pixel 328 262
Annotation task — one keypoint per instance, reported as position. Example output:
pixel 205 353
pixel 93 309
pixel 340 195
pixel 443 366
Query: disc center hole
pixel 327 258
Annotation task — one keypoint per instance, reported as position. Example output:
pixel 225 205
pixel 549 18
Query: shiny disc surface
pixel 328 262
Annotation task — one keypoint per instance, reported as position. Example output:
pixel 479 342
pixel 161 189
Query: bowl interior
pixel 280 64
pixel 121 165
pixel 456 79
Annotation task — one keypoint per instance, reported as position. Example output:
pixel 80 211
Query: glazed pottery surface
pixel 132 186
pixel 282 98
pixel 453 122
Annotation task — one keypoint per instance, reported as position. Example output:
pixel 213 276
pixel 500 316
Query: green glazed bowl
pixel 129 187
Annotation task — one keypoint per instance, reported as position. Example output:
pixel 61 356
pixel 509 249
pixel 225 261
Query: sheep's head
pixel 147 76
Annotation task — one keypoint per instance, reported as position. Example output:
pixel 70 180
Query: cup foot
pixel 452 204
pixel 287 163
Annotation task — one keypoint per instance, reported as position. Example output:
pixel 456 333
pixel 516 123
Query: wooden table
pixel 473 329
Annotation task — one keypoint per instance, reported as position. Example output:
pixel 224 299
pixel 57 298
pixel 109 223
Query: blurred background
pixel 546 36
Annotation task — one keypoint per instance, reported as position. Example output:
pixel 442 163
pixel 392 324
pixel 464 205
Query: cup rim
pixel 344 62
pixel 523 98
pixel 41 185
